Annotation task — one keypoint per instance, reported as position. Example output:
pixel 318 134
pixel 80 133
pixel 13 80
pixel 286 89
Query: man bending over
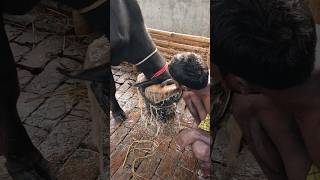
pixel 265 51
pixel 191 74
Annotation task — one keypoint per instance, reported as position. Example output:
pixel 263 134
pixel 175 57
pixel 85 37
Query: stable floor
pixel 55 111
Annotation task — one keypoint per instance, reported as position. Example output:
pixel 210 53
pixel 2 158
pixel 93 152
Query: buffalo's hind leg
pixel 117 112
pixel 24 161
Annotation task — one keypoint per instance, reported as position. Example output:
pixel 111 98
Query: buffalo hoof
pixel 167 82
pixel 27 170
pixel 119 115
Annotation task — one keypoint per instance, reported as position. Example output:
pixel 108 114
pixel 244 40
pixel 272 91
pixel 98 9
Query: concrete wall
pixel 182 16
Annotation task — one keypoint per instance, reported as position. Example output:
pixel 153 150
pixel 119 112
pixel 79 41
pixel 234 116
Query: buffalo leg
pixel 117 112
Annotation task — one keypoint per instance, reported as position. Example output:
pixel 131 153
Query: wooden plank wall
pixel 170 43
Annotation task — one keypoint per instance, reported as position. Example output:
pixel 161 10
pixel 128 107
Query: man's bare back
pixel 303 104
pixel 287 122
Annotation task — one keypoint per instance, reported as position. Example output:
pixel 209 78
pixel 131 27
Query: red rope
pixel 161 71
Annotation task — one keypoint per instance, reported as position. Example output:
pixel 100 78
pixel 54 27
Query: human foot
pixel 205 170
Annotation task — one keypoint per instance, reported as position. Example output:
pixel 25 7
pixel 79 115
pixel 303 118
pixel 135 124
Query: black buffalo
pixel 129 42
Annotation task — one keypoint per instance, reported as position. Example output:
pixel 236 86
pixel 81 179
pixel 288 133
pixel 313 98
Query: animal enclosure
pixel 161 160
pixel 56 114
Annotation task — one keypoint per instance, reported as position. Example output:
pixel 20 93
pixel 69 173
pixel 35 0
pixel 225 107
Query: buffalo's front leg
pixel 24 161
pixel 117 112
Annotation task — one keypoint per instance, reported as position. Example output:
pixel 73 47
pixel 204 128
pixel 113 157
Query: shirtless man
pixel 191 75
pixel 265 51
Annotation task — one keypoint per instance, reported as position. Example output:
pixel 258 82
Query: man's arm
pixel 195 106
pixel 187 99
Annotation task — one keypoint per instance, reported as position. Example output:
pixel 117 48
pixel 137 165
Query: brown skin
pixel 272 136
pixel 198 103
pixel 303 103
pixel 281 127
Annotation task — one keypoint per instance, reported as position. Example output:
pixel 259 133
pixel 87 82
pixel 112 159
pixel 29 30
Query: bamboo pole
pixel 178 35
pixel 173 52
pixel 167 50
pixel 180 40
pixel 180 46
pixel 167 57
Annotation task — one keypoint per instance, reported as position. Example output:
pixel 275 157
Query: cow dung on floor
pixel 158 103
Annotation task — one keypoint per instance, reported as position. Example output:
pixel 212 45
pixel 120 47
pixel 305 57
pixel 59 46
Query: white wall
pixel 182 16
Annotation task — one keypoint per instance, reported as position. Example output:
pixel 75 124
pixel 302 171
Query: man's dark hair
pixel 267 42
pixel 189 70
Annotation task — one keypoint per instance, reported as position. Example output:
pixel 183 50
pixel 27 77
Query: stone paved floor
pixel 55 111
